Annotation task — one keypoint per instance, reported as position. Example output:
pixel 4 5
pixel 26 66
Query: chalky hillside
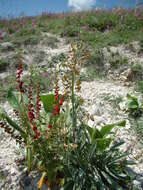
pixel 71 100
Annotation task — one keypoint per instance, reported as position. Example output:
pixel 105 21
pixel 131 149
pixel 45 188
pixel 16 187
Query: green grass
pixel 97 29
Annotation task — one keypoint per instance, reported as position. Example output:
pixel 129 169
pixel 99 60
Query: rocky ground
pixel 103 99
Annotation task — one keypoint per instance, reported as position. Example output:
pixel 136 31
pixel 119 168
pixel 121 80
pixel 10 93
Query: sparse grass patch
pixel 116 60
pixel 50 41
pixel 3 64
pixel 137 70
pixel 139 86
pixel 95 64
pixel 26 40
pixel 56 60
pixel 5 84
pixel 139 129
pixel 114 100
pixel 141 46
pixel 39 57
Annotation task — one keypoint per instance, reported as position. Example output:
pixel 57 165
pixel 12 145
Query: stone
pixel 97 110
pixel 13 171
pixel 99 120
pixel 126 75
pixel 25 180
pixel 7 46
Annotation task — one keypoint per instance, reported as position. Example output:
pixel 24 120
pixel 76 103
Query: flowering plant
pixel 52 129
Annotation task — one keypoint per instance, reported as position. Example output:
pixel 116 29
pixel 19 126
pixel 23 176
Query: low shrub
pixel 133 106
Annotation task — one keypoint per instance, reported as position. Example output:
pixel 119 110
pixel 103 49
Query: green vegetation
pixel 116 61
pixel 79 157
pixel 114 100
pixel 139 86
pixel 95 65
pixel 58 143
pixel 139 129
pixel 141 47
pixel 137 71
pixel 3 64
pixel 98 28
pixel 134 106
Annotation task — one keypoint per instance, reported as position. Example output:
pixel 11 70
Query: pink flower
pixel 18 77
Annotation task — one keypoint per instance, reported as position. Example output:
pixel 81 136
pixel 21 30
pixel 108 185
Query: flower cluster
pixel 58 101
pixel 18 77
pixel 56 108
pixel 37 134
pixel 31 114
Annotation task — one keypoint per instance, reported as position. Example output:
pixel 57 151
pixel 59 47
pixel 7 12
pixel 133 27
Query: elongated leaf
pixel 116 145
pixel 90 130
pixel 48 101
pixel 92 150
pixel 119 158
pixel 13 100
pixel 94 133
pixel 97 134
pixel 12 123
pixel 106 129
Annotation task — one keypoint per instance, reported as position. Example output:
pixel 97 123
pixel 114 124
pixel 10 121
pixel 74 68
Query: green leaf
pixel 48 101
pixel 116 146
pixel 132 102
pixel 92 150
pixel 106 129
pixel 93 132
pixel 119 158
pixel 103 143
pixel 12 123
pixel 121 123
pixel 97 134
pixel 13 100
pixel 90 130
pixel 52 167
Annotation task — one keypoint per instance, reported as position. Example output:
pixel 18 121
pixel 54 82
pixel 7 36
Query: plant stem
pixel 73 105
